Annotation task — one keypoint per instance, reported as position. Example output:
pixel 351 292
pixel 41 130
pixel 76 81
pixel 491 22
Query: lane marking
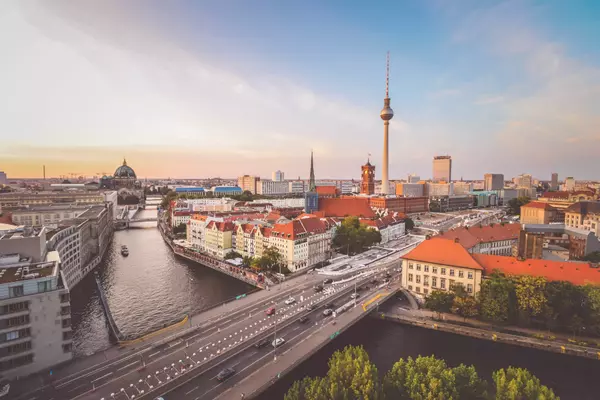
pixel 153 354
pixel 76 387
pixel 186 393
pixel 129 365
pixel 102 377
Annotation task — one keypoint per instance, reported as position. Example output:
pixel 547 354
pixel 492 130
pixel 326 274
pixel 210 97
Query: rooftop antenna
pixel 387 76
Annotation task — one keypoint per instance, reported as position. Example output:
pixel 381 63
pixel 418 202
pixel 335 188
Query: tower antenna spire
pixel 387 76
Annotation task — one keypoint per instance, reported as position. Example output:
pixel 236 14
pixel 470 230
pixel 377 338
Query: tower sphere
pixel 387 113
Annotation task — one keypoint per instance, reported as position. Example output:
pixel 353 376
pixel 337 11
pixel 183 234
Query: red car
pixel 270 311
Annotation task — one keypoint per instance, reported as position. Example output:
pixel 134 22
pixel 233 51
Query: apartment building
pixel 442 168
pixel 495 239
pixel 410 189
pixel 584 215
pixel 390 227
pixel 248 183
pixel 218 240
pixel 272 187
pixel 49 216
pixel 493 182
pixel 35 311
pixel 438 264
pixel 537 212
pixel 19 199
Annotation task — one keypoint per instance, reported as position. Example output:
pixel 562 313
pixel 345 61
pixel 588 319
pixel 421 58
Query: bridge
pixel 183 364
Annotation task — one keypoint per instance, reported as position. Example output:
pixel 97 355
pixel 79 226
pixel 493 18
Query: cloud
pixel 489 100
pixel 445 93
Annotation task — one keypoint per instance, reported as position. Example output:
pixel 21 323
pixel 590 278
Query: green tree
pixel 497 298
pixel 591 308
pixel 420 379
pixel 439 301
pixel 181 228
pixel 465 306
pixel 166 201
pixel 530 293
pixel 246 261
pixel 308 389
pixel 564 301
pixel 352 375
pixel 468 383
pixel 409 224
pixel 353 237
pixel 514 205
pixel 231 255
pixel 519 384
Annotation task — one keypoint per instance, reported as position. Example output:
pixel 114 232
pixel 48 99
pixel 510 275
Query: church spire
pixel 312 186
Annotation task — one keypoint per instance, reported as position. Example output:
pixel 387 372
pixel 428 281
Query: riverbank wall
pixel 523 341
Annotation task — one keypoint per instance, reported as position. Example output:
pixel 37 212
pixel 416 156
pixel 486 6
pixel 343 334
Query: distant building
pixel 36 313
pixel 584 215
pixel 442 168
pixel 278 176
pixel 192 190
pixel 405 205
pixel 435 189
pixel 575 241
pixel 524 181
pixel 248 183
pixel 537 212
pixel 311 197
pixel 450 203
pixel 554 181
pixel 272 188
pixel 367 185
pixel 220 191
pixel 342 207
pixel 493 181
pixel 412 178
pixel 495 239
pixel 3 178
pixel 409 189
pixel 327 191
pixel 569 184
pixel 296 187
pixel 460 188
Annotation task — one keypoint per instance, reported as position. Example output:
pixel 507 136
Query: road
pixel 203 385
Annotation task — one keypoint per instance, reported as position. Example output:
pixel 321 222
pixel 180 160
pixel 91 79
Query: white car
pixel 354 296
pixel 278 342
pixel 289 301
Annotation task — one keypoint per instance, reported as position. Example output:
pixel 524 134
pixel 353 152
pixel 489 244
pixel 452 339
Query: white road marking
pixel 76 387
pixel 102 377
pixel 186 393
pixel 153 354
pixel 129 365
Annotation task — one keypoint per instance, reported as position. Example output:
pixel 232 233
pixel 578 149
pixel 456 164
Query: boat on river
pixel 124 251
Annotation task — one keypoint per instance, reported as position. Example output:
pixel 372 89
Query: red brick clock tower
pixel 367 185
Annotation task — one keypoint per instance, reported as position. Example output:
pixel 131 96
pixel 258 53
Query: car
pixel 310 307
pixel 270 311
pixel 278 342
pixel 318 288
pixel 330 305
pixel 354 295
pixel 327 312
pixel 303 320
pixel 289 301
pixel 327 281
pixel 262 343
pixel 4 388
pixel 224 374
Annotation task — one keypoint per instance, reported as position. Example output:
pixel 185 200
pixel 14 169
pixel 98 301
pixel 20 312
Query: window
pixel 418 289
pixel 451 283
pixel 425 290
pixel 433 281
pixel 410 265
pixel 16 291
pixel 409 287
pixel 418 280
pixel 470 275
pixel 426 268
pixel 425 280
pixel 443 272
pixel 12 335
pixel 434 270
pixel 451 272
pixel 443 283
pixel 67 347
pixel 44 286
pixel 410 277
pixel 469 288
pixel 418 267
pixel 461 274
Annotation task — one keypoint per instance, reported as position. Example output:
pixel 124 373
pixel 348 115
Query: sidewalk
pixel 216 312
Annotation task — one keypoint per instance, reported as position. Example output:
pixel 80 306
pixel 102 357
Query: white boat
pixel 124 250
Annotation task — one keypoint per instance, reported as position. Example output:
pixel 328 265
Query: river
pixel 386 342
pixel 146 290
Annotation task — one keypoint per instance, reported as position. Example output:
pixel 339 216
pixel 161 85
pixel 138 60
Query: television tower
pixel 386 114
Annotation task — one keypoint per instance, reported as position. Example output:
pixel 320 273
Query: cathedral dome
pixel 125 171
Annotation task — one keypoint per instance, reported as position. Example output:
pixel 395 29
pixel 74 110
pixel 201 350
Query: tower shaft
pixel 384 168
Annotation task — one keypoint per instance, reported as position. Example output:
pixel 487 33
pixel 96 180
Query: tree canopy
pixel 352 376
pixel 514 205
pixel 353 237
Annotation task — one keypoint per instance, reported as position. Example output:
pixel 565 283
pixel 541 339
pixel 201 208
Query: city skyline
pixel 195 86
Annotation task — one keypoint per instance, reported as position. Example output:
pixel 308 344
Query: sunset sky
pixel 224 87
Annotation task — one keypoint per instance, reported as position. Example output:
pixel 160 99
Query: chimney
pixel 427 237
pixel 456 240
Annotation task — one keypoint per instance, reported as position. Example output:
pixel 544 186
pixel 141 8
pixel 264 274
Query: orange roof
pixel 470 237
pixel 305 215
pixel 576 273
pixel 443 252
pixel 221 226
pixel 345 207
pixel 297 227
pixel 538 204
pixel 327 190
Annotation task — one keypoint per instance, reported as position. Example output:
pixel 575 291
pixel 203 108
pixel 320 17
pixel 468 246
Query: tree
pixel 232 255
pixel 530 293
pixel 514 205
pixel 439 301
pixel 468 383
pixel 497 298
pixel 519 384
pixel 564 301
pixel 247 261
pixel 181 228
pixel 166 201
pixel 352 375
pixel 591 308
pixel 409 224
pixel 271 259
pixel 466 306
pixel 354 237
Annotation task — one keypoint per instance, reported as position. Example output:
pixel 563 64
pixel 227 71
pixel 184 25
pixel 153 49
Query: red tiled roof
pixel 221 226
pixel 346 207
pixel 576 273
pixel 182 213
pixel 556 195
pixel 443 252
pixel 305 215
pixel 327 190
pixel 538 204
pixel 468 238
pixel 292 229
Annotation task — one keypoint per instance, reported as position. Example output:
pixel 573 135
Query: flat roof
pixel 92 212
pixel 10 274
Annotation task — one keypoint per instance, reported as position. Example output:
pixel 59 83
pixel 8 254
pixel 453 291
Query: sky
pixel 229 87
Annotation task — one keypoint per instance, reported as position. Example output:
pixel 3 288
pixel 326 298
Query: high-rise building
pixel 554 181
pixel 3 178
pixel 524 181
pixel 248 183
pixel 272 188
pixel 493 182
pixel 569 183
pixel 442 168
pixel 386 115
pixel 412 178
pixel 278 176
pixel 367 185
